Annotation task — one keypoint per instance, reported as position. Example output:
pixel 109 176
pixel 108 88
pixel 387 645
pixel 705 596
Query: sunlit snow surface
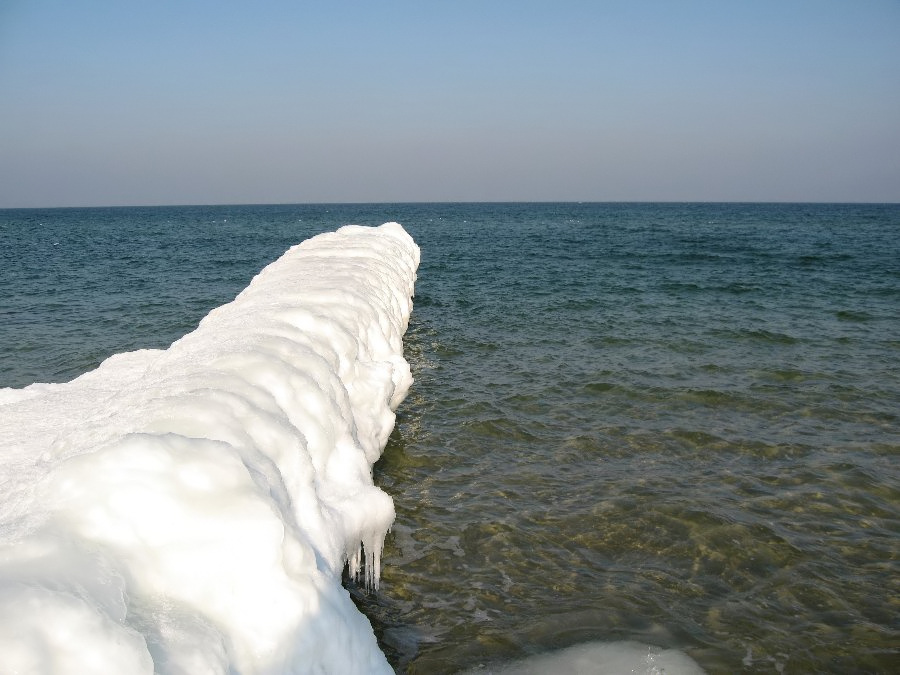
pixel 191 510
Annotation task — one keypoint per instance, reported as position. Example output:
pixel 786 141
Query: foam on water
pixel 191 510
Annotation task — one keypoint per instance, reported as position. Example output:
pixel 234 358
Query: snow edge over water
pixel 191 510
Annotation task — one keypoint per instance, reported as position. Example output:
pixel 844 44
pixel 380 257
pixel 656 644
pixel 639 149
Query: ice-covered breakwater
pixel 191 510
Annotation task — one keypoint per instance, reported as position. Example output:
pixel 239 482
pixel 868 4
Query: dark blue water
pixel 675 423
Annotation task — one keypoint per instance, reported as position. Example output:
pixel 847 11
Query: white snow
pixel 191 510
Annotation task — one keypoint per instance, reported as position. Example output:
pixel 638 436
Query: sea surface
pixel 676 424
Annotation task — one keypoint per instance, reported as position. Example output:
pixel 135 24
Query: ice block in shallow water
pixel 601 658
pixel 191 510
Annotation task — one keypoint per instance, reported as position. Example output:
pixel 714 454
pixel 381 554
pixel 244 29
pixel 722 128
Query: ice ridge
pixel 191 510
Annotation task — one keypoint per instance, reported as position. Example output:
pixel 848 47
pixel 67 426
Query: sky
pixel 122 102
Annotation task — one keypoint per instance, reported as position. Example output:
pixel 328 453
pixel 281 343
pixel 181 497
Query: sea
pixel 674 424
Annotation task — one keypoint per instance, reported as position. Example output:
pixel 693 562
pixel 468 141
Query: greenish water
pixel 676 424
pixel 669 423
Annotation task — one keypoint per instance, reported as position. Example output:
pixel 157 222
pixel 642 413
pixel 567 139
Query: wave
pixel 192 509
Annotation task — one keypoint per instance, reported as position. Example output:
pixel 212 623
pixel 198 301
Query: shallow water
pixel 675 424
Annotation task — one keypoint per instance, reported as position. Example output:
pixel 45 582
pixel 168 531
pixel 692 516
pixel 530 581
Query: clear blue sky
pixel 203 102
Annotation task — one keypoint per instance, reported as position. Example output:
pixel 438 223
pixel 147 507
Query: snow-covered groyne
pixel 191 510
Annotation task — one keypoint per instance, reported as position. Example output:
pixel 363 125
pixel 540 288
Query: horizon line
pixel 450 202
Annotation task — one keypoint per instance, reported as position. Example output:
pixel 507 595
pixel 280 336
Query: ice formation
pixel 603 658
pixel 191 510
